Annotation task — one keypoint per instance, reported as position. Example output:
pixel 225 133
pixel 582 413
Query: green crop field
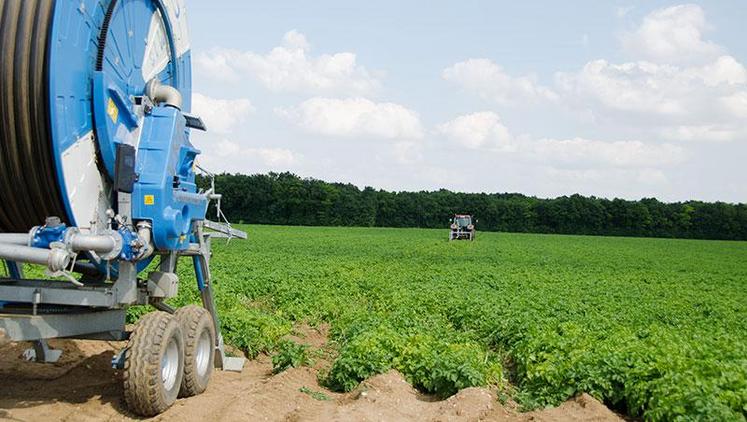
pixel 655 328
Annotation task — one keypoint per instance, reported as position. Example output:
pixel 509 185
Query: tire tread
pixel 142 373
pixel 192 318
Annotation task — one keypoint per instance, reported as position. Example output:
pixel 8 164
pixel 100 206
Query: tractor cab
pixel 462 228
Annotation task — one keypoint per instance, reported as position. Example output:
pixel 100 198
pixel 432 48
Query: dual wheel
pixel 168 356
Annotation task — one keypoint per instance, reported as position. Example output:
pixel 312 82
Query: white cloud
pixel 355 117
pixel 275 157
pixel 484 131
pixel 220 115
pixel 290 68
pixel 218 64
pixel 726 70
pixel 641 87
pixel 672 35
pixel 684 89
pixel 629 128
pixel 407 152
pixel 225 155
pixel 697 102
pixel 591 153
pixel 226 148
pixel 658 96
pixel 736 104
pixel 488 80
pixel 296 40
pixel 709 133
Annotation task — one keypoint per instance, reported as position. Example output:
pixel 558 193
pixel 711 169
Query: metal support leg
pixel 202 272
pixel 15 270
pixel 42 353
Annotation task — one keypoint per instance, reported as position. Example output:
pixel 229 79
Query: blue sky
pixel 614 99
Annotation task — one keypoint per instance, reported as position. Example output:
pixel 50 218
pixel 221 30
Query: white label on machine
pixel 87 192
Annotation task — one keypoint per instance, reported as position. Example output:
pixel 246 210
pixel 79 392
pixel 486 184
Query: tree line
pixel 286 199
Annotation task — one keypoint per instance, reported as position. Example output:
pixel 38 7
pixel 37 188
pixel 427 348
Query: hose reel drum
pixel 83 67
pixel 97 174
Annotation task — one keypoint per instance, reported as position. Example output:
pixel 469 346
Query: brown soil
pixel 84 387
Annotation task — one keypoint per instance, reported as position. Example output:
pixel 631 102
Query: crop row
pixel 655 328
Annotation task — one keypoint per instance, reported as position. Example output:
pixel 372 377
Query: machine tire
pixel 149 387
pixel 199 338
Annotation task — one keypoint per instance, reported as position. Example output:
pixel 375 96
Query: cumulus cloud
pixel 291 68
pixel 488 80
pixel 726 70
pixel 681 87
pixel 698 102
pixel 354 117
pixel 483 130
pixel 641 87
pixel 221 115
pixel 736 104
pixel 672 35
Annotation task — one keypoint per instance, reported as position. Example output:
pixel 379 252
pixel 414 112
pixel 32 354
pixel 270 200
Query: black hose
pixel 29 191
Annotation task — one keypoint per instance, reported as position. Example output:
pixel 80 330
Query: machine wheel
pixel 154 364
pixel 199 348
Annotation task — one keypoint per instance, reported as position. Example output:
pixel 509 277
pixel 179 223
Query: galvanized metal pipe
pixel 166 94
pixel 100 243
pixel 93 242
pixel 144 233
pixel 15 238
pixel 19 253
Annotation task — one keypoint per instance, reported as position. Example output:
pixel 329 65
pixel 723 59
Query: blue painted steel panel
pixel 166 193
pixel 72 57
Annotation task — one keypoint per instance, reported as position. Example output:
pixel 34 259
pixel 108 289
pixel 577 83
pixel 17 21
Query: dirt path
pixel 84 387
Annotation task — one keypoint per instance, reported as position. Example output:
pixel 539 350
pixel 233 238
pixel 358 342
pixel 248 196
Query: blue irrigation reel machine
pixel 97 185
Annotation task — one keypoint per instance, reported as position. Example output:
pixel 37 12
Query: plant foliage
pixel 654 327
pixel 289 355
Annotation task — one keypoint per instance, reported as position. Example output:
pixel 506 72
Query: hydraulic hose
pixel 29 191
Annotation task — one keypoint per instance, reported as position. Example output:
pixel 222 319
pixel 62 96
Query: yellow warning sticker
pixel 149 199
pixel 112 110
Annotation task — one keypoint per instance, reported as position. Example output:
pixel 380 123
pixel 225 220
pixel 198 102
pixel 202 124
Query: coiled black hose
pixel 29 191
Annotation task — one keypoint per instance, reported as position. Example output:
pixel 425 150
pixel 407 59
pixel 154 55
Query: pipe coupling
pixel 59 257
pixel 163 94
